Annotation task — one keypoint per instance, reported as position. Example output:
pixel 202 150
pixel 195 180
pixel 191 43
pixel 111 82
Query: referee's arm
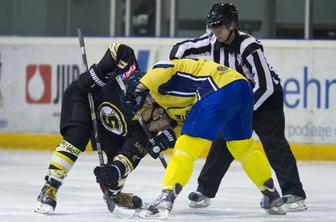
pixel 263 87
pixel 193 47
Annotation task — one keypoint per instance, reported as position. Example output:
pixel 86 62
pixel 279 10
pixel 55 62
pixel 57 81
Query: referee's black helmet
pixel 222 14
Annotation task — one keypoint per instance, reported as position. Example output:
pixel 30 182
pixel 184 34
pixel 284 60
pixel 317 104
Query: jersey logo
pixel 222 68
pixel 112 119
pixel 135 158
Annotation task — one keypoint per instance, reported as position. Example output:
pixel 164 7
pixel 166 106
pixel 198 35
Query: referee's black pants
pixel 269 125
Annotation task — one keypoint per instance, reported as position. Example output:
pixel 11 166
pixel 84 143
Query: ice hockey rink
pixel 79 199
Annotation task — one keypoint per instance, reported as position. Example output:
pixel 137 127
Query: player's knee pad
pixel 78 136
pixel 192 146
pixel 180 167
pixel 253 161
pixel 63 159
pixel 240 149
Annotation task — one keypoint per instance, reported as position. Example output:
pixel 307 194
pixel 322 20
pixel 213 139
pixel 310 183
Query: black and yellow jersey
pixel 178 84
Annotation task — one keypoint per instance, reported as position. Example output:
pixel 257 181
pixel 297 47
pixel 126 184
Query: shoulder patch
pixel 222 68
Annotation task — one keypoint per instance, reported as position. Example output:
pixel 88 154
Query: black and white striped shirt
pixel 245 54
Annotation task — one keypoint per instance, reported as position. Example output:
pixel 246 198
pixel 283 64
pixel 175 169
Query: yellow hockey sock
pixel 253 161
pixel 63 159
pixel 187 150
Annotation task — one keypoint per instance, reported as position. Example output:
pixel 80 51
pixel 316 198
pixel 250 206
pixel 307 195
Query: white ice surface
pixel 79 199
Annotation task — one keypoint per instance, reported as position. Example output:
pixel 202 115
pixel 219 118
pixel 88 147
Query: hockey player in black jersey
pixel 242 52
pixel 122 137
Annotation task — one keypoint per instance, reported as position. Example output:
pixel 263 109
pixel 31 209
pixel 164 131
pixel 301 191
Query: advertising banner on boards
pixel 34 73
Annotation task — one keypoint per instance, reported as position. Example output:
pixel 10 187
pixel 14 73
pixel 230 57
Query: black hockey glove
pixel 163 140
pixel 108 176
pixel 92 80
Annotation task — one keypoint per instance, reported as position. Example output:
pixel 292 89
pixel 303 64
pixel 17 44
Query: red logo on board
pixel 38 83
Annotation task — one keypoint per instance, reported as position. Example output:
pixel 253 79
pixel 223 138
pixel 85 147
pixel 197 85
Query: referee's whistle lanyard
pixel 229 36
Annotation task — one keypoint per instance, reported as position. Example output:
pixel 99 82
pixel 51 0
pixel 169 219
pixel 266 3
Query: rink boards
pixel 50 141
pixel 35 71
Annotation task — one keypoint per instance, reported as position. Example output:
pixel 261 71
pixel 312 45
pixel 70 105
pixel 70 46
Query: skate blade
pixel 150 214
pixel 118 211
pixel 276 210
pixel 123 212
pixel 296 206
pixel 200 204
pixel 44 209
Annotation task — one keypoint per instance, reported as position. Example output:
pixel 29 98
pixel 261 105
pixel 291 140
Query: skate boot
pixel 198 200
pixel 294 203
pixel 271 201
pixel 122 204
pixel 47 197
pixel 163 204
pixel 128 200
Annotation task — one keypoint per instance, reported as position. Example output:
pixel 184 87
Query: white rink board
pixel 31 103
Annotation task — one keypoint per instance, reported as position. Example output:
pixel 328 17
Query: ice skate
pixel 294 203
pixel 47 197
pixel 271 201
pixel 122 205
pixel 198 200
pixel 162 205
pixel 128 200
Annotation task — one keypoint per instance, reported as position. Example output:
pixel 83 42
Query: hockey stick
pixel 111 205
pixel 140 120
pixel 91 103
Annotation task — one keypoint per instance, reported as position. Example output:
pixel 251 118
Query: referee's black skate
pixel 271 201
pixel 47 198
pixel 294 203
pixel 198 200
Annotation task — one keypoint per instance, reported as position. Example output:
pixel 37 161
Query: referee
pixel 238 50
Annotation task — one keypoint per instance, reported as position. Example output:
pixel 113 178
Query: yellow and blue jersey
pixel 178 84
pixel 205 98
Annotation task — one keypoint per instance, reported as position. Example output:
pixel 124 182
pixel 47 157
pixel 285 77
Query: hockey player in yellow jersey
pixel 207 100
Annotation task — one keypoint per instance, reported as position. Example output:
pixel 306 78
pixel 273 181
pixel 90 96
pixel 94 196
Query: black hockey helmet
pixel 222 14
pixel 134 98
pixel 133 80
